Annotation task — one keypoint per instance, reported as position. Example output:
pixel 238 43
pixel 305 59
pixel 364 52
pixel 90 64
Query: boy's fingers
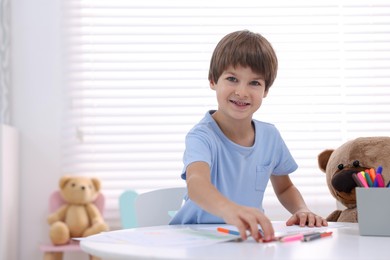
pixel 268 230
pixel 303 219
pixel 292 220
pixel 254 229
pixel 311 220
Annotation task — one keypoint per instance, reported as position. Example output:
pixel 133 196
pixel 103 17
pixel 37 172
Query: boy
pixel 230 157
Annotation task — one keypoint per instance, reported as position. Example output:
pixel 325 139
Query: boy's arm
pixel 205 195
pixel 292 200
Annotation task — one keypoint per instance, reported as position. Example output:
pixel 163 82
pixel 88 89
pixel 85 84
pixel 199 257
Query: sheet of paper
pixel 281 229
pixel 186 236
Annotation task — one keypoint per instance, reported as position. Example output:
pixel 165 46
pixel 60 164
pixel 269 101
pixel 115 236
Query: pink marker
pixel 291 238
pixel 381 182
pixel 362 179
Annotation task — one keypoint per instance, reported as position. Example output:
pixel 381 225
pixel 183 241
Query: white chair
pixel 155 207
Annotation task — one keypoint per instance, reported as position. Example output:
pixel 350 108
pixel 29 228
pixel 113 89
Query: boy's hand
pixel 303 218
pixel 247 218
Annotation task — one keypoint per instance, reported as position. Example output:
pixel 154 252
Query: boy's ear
pixel 265 93
pixel 212 84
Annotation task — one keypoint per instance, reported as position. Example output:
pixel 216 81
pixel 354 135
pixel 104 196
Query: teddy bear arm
pixel 58 215
pixel 94 214
pixel 349 215
pixel 98 224
pixel 334 216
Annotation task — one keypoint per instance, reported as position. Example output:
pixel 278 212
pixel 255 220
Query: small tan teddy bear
pixel 78 217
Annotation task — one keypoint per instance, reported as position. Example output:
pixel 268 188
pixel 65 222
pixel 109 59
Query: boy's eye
pixel 255 83
pixel 232 79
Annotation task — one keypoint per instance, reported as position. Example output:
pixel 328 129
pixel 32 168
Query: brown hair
pixel 246 49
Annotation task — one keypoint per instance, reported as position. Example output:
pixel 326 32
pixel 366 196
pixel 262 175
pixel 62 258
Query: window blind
pixel 135 74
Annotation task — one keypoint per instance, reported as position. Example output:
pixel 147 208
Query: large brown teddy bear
pixel 78 217
pixel 351 157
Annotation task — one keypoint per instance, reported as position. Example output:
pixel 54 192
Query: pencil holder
pixel 373 207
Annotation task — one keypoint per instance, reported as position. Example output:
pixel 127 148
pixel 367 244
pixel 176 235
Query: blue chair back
pixel 127 209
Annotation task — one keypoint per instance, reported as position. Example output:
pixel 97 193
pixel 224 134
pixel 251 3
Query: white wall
pixel 36 106
pixel 9 192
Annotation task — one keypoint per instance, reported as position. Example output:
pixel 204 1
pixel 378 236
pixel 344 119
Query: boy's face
pixel 240 92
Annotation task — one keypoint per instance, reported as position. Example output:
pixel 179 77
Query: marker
pixel 368 179
pixel 271 240
pixel 233 232
pixel 362 179
pixel 291 238
pixel 376 183
pixel 379 177
pixel 228 231
pixel 261 233
pixel 357 180
pixel 372 174
pixel 316 236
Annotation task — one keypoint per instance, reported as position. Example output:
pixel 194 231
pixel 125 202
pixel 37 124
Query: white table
pixel 345 243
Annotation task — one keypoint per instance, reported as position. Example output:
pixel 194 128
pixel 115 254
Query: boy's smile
pixel 240 103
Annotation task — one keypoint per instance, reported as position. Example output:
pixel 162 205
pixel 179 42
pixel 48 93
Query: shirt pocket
pixel 263 173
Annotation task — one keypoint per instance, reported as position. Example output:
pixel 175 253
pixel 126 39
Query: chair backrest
pixel 127 209
pixel 153 208
pixel 56 201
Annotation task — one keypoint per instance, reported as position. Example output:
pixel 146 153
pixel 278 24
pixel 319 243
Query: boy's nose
pixel 241 91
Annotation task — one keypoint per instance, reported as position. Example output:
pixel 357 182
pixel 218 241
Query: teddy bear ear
pixel 323 159
pixel 64 180
pixel 96 183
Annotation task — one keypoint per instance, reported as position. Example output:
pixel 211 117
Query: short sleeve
pixel 285 163
pixel 198 149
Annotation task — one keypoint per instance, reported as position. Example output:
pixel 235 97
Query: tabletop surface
pixel 345 243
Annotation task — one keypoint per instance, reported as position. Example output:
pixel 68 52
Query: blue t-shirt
pixel 240 173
